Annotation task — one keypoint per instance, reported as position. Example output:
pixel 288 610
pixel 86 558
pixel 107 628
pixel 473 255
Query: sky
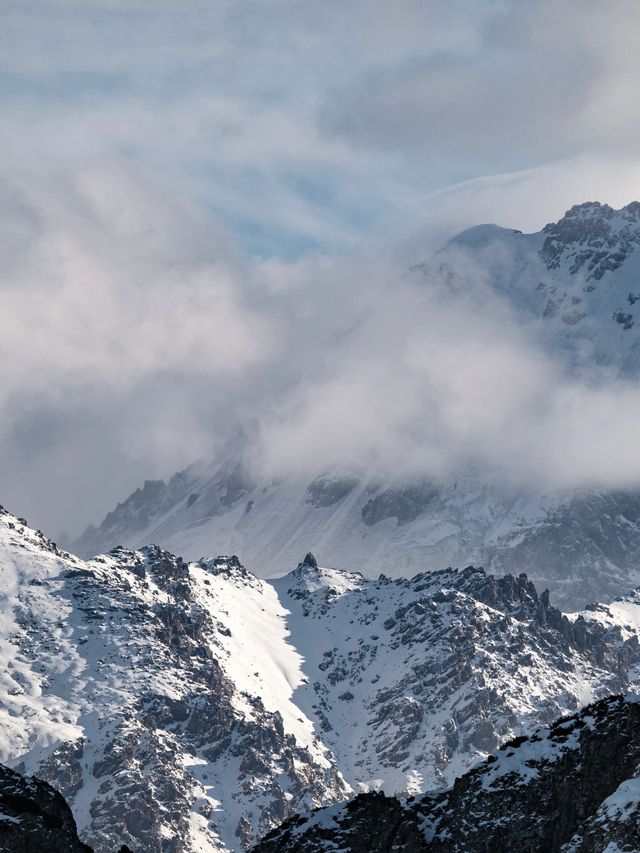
pixel 198 199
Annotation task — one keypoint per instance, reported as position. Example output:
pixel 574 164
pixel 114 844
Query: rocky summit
pixel 571 788
pixel 189 707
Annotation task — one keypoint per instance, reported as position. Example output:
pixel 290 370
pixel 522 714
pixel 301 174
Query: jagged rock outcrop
pixel 571 787
pixel 593 238
pixel 34 817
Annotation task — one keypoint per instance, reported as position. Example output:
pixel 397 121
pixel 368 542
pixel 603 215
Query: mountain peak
pixel 592 237
pixel 308 577
pixel 588 210
pixel 479 236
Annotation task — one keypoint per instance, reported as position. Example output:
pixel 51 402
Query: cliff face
pixel 570 788
pixel 35 817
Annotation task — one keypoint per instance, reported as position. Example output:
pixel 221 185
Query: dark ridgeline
pixel 544 792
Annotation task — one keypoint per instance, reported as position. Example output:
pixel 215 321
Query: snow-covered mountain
pixel 578 277
pixel 571 788
pixel 576 284
pixel 131 684
pixel 193 707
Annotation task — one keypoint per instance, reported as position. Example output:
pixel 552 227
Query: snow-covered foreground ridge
pixel 575 287
pixel 193 707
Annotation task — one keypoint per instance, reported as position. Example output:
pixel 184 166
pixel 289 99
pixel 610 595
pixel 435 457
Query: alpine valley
pixel 576 284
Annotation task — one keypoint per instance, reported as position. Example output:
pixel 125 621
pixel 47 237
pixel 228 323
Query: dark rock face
pixel 327 490
pixel 310 561
pixel 560 789
pixel 404 504
pixel 585 550
pixel 34 817
pixel 370 823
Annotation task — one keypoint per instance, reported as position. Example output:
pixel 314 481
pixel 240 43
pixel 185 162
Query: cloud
pixel 137 337
pixel 209 213
pixel 542 81
pixel 438 379
pixel 126 322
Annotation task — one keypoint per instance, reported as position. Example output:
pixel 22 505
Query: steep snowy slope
pixel 123 686
pixel 193 707
pixel 571 788
pixel 414 681
pixel 576 284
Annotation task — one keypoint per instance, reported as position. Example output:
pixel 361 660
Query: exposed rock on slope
pixel 411 682
pixel 123 685
pixel 573 787
pixel 191 707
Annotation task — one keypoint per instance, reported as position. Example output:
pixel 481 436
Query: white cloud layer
pixel 125 325
pixel 208 212
pixel 433 383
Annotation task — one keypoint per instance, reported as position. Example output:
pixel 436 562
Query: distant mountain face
pixel 571 788
pixel 577 282
pixel 577 279
pixel 192 707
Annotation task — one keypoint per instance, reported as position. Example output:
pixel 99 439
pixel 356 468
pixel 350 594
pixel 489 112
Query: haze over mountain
pixel 204 206
pixel 508 437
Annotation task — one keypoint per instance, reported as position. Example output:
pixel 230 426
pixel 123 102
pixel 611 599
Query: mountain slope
pixel 192 707
pixel 572 787
pixel 575 285
pixel 117 689
pixel 414 681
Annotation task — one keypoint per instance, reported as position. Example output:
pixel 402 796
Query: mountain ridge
pixel 167 698
pixel 572 788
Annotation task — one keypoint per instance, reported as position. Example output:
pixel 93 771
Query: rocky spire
pixel 310 561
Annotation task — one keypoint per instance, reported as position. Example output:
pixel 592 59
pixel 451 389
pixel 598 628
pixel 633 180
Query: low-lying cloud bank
pixel 136 334
pixel 431 381
pixel 136 338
